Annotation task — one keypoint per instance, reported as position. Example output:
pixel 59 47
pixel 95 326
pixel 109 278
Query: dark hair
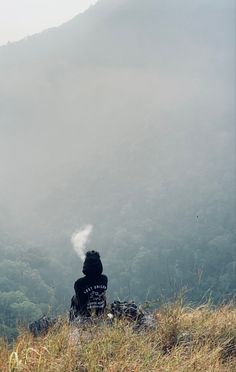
pixel 92 264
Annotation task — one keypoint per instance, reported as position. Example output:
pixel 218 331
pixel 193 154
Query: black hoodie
pixel 91 289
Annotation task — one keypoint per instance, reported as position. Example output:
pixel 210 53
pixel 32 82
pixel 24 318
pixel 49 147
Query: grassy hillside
pixel 201 339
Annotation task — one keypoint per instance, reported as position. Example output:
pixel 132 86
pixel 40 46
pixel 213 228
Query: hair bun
pixel 93 254
pixel 92 264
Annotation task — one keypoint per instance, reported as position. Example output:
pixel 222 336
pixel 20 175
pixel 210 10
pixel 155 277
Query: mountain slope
pixel 124 118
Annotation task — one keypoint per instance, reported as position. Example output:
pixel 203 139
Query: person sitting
pixel 90 291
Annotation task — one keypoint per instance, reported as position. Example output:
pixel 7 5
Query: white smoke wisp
pixel 79 240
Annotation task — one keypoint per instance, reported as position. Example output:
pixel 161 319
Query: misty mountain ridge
pixel 124 118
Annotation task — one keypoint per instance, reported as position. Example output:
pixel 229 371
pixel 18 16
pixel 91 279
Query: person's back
pixel 90 291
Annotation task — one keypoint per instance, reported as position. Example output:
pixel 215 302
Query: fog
pixel 19 19
pixel 123 118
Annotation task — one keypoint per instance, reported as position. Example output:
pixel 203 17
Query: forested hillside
pixel 123 118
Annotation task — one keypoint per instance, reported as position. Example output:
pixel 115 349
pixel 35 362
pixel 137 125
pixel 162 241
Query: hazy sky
pixel 20 18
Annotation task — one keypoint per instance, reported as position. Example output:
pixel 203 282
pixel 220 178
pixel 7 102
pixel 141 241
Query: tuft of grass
pixel 186 339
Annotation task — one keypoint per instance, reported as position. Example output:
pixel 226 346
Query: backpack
pixel 124 309
pixel 129 310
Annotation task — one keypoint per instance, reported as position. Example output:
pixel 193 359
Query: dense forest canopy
pixel 124 118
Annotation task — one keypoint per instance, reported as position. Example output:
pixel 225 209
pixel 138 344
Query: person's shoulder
pixel 80 281
pixel 104 278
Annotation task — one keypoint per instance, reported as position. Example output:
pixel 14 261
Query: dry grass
pixel 186 339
